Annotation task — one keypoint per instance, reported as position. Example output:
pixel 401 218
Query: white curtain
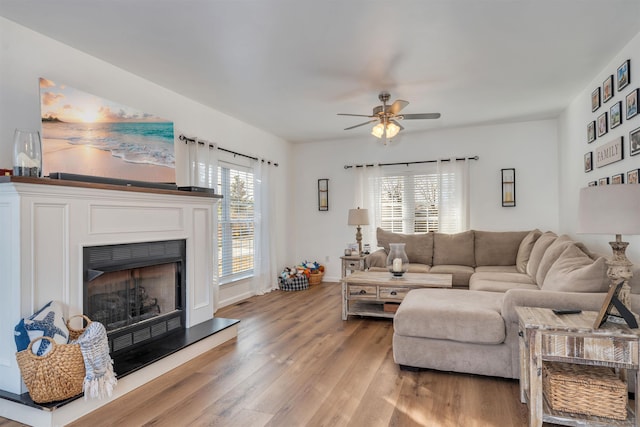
pixel 453 186
pixel 203 163
pixel 265 270
pixel 365 197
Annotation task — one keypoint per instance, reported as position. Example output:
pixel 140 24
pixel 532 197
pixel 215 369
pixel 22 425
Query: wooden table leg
pixel 535 380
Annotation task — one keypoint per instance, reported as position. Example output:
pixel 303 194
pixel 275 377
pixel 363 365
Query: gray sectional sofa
pixel 473 328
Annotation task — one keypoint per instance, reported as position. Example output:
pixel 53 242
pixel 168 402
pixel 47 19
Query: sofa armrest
pixel 548 299
pixel 376 259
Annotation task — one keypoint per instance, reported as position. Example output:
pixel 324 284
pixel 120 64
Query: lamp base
pixel 619 268
pixel 359 240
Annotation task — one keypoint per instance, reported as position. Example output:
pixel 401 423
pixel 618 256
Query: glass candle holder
pixel 27 153
pixel 397 260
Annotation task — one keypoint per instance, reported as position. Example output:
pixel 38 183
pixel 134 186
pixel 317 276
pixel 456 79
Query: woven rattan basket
pixel 587 390
pixel 74 334
pixel 315 278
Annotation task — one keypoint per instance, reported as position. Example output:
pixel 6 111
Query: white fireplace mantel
pixel 44 224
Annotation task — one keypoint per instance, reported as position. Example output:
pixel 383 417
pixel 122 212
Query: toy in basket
pixel 314 272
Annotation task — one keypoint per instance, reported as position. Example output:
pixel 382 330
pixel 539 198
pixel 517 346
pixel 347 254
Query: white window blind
pixel 236 223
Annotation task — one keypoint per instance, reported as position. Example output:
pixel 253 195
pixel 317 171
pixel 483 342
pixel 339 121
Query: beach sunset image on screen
pixel 88 135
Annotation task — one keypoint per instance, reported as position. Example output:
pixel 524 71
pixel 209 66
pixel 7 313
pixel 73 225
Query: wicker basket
pixel 58 375
pixel 315 278
pixel 587 390
pixel 74 334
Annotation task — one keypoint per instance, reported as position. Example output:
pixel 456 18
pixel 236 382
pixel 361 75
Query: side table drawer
pixel 354 265
pixel 362 292
pixel 594 348
pixel 393 293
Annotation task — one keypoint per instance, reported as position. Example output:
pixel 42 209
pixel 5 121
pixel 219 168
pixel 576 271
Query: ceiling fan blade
pixel 361 124
pixel 421 116
pixel 355 115
pixel 397 124
pixel 397 106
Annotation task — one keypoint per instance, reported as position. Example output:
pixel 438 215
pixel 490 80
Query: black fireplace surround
pixel 136 290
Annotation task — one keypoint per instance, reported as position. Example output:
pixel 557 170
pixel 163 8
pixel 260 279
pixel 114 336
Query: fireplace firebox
pixel 135 290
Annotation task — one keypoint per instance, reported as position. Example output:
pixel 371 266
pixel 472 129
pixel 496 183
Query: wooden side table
pixel 547 337
pixel 352 263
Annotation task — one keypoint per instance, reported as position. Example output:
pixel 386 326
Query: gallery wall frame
pixel 595 99
pixel 624 75
pixel 607 89
pixel 634 142
pixel 633 176
pixel 615 114
pixel 588 161
pixel 602 124
pixel 591 131
pixel 617 179
pixel 631 102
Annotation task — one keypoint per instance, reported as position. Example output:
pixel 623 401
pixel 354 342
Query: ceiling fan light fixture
pixel 392 130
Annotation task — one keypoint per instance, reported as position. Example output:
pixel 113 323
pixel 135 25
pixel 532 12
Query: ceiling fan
pixel 388 117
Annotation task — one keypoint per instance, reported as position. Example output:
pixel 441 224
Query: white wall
pixel 25 56
pixel 529 147
pixel 573 146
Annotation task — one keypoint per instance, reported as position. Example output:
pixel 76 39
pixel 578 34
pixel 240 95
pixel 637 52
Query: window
pixel 419 202
pixel 236 225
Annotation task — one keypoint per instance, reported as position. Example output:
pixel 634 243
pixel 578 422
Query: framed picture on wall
pixel 632 176
pixel 595 99
pixel 607 89
pixel 617 179
pixel 591 131
pixel 634 142
pixel 624 76
pixel 602 124
pixel 588 161
pixel 592 183
pixel 603 181
pixel 615 113
pixel 632 104
pixel 323 194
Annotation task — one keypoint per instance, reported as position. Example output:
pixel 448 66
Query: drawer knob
pixel 394 293
pixel 520 334
pixel 362 292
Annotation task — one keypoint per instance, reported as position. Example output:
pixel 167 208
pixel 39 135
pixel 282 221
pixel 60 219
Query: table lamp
pixel 612 209
pixel 358 217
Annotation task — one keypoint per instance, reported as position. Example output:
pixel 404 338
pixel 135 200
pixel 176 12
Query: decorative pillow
pixel 524 251
pixel 550 256
pixel 497 247
pixel 537 252
pixel 47 321
pixel 575 271
pixel 419 247
pixel 454 249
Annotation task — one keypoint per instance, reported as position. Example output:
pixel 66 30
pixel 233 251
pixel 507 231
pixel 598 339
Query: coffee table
pixel 365 293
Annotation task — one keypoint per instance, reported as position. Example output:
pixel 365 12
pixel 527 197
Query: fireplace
pixel 136 290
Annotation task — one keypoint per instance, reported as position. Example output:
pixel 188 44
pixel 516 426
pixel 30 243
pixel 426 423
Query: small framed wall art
pixel 632 104
pixel 591 131
pixel 615 114
pixel 632 176
pixel 323 194
pixel 624 74
pixel 617 179
pixel 602 124
pixel 634 142
pixel 508 187
pixel 595 99
pixel 588 161
pixel 607 89
pixel 592 183
pixel 603 181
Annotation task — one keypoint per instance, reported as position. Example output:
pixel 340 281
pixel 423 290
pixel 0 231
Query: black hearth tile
pixel 138 359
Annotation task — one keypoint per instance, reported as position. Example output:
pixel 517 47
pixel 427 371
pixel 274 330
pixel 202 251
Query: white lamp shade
pixel 609 209
pixel 358 217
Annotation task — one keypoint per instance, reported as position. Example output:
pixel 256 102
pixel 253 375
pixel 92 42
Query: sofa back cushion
pixel 575 271
pixel 419 247
pixel 497 247
pixel 537 252
pixel 454 249
pixel 551 255
pixel 524 251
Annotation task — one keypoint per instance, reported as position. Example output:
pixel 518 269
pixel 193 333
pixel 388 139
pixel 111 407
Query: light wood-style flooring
pixel 296 363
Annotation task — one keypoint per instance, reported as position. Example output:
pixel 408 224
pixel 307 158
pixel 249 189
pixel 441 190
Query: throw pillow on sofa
pixel 419 247
pixel 454 249
pixel 575 271
pixel 537 252
pixel 550 256
pixel 524 251
pixel 497 248
pixel 47 321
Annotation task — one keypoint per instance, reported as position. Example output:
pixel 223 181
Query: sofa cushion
pixel 575 271
pixel 524 251
pixel 454 249
pixel 497 247
pixel 461 274
pixel 419 247
pixel 502 277
pixel 537 252
pixel 550 256
pixel 496 269
pixel 488 285
pixel 449 314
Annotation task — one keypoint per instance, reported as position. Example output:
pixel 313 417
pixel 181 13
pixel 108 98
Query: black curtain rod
pixel 410 163
pixel 186 139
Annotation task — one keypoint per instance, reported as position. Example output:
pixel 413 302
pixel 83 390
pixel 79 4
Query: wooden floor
pixel 296 363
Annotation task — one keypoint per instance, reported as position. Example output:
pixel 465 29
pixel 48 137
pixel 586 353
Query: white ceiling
pixel 288 66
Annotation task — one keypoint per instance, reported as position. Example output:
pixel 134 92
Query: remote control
pixel 566 311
